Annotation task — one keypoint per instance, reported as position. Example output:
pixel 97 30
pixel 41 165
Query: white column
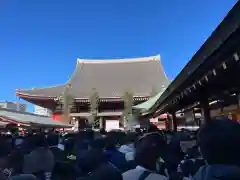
pixel 101 122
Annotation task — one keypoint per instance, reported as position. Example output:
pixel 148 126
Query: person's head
pixel 110 143
pixel 152 128
pixel 219 142
pixel 149 149
pixel 117 136
pixel 91 161
pixel 69 145
pixel 39 140
pixel 102 131
pixel 53 139
pixel 138 131
pixel 87 135
pixel 98 144
pixel 130 138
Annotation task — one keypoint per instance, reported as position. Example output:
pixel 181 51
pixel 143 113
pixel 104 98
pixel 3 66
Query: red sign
pixel 57 116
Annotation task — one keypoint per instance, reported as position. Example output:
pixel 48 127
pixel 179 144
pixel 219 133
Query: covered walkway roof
pixel 209 69
pixel 3 123
pixel 30 119
pixel 147 105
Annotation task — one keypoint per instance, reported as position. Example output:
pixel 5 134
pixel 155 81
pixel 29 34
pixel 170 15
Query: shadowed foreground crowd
pixel 210 153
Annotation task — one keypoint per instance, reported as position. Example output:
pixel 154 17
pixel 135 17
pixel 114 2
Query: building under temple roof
pixel 110 79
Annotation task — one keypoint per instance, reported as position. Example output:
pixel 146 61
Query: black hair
pixel 84 135
pixel 130 137
pixel 37 140
pixel 53 139
pixel 148 149
pixel 91 160
pixel 110 143
pixel 219 142
pixel 102 131
pixel 117 136
pixel 152 128
pixel 98 143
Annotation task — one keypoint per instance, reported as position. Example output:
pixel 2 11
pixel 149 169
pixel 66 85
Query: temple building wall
pixel 110 80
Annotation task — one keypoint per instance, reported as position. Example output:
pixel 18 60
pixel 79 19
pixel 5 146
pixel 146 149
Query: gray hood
pixel 218 172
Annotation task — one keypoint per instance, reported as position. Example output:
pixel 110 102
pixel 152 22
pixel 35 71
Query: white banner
pixel 112 125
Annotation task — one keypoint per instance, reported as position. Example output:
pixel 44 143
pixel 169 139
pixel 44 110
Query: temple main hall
pixel 110 79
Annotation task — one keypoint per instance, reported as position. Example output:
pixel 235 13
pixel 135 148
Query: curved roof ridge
pixel 47 87
pixel 136 74
pixel 122 60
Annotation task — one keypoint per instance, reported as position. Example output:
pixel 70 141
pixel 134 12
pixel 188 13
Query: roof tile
pixel 111 78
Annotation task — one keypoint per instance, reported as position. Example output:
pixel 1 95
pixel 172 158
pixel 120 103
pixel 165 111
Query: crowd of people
pixel 212 152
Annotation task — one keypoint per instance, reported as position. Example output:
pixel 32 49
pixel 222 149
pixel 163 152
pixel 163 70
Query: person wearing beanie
pixel 149 151
pixel 219 142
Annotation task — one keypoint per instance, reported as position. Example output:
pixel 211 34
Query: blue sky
pixel 40 41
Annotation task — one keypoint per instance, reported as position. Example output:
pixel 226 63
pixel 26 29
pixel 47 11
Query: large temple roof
pixel 110 78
